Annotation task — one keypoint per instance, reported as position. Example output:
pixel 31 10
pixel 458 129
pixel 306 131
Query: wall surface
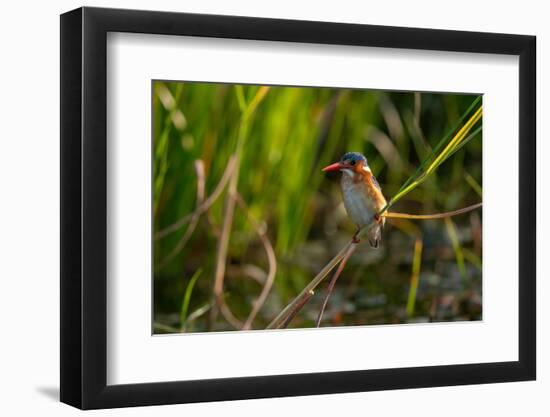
pixel 29 179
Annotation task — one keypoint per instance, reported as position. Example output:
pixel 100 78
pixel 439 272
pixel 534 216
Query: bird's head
pixel 351 163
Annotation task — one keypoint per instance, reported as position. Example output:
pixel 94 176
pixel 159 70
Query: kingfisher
pixel 362 195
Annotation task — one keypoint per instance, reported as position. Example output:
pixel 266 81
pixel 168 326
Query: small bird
pixel 362 195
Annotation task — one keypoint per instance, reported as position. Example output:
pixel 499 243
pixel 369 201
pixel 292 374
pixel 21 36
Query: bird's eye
pixel 352 163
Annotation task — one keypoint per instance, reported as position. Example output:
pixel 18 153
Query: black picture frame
pixel 84 207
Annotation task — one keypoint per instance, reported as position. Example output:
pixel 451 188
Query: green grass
pixel 187 298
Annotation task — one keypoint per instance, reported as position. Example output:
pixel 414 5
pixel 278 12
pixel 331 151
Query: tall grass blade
pixel 439 156
pixel 474 184
pixel 415 276
pixel 457 248
pixel 440 144
pixel 187 298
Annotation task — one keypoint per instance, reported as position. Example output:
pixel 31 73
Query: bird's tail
pixel 375 234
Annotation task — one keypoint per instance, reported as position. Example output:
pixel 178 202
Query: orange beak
pixel 334 167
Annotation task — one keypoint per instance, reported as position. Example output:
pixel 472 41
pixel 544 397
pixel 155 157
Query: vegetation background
pixel 282 137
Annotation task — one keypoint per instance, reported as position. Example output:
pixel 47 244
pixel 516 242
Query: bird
pixel 362 195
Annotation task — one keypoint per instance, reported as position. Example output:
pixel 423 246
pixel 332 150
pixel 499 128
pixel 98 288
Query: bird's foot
pixel 355 238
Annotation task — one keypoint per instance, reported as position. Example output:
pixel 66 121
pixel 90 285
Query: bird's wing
pixel 375 190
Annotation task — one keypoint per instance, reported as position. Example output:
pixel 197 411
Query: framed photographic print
pixel 257 208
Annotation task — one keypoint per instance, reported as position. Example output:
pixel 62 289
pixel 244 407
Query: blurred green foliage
pixel 283 141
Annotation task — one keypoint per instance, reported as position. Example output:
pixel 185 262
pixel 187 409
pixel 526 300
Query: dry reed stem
pixel 272 264
pixel 205 205
pixel 221 258
pixel 332 282
pixel 296 309
pixel 277 321
pixel 393 215
pixel 221 255
pixel 199 170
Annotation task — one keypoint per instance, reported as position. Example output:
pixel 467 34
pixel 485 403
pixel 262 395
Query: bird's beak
pixel 334 167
